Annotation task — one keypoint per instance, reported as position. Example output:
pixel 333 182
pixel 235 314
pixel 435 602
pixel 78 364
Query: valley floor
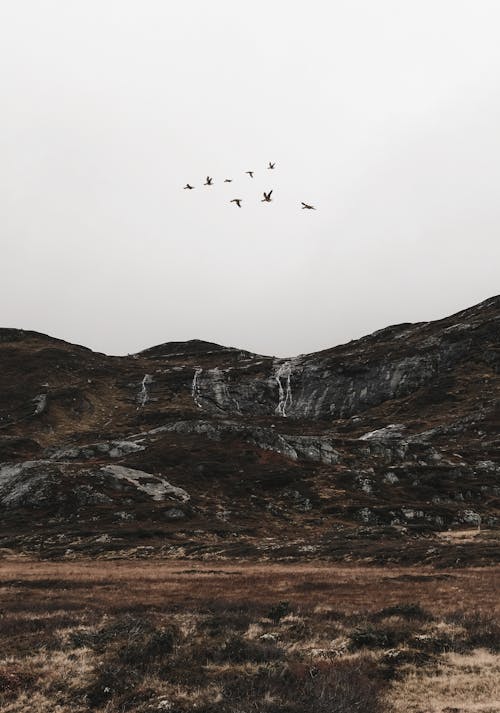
pixel 219 637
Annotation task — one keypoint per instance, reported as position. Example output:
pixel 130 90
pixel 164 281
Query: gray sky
pixel 383 114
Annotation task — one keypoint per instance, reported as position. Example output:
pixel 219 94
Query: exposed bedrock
pixel 338 383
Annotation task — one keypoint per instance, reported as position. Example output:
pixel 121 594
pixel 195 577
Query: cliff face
pixel 191 448
pixel 391 364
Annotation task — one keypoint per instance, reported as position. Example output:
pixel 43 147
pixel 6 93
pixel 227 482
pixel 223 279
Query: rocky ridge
pixel 385 448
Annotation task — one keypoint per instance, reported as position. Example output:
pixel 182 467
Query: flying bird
pixel 250 173
pixel 306 205
pixel 228 180
pixel 237 201
pixel 208 182
pixel 271 165
pixel 188 186
pixel 267 197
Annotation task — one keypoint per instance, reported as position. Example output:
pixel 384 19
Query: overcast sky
pixel 384 114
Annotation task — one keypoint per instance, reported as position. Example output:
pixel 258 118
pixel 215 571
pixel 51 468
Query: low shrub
pixel 279 611
pixel 349 686
pixel 379 637
pixel 128 649
pixel 135 640
pixel 239 650
pixel 411 612
pixel 14 677
pixel 483 630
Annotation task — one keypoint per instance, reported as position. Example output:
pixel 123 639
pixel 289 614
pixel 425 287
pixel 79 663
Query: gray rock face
pixel 111 449
pixel 314 448
pixel 157 488
pixel 26 483
pixel 388 434
pixel 387 365
pixel 43 483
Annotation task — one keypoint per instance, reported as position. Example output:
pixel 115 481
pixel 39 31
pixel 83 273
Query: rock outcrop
pixel 199 449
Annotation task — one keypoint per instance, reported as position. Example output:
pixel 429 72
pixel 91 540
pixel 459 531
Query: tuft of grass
pixel 469 682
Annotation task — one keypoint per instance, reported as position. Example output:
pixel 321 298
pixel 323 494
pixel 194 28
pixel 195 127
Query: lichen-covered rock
pixel 111 449
pixel 27 484
pixel 154 486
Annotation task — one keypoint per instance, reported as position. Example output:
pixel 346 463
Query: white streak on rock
pixel 143 393
pixel 284 388
pixel 195 389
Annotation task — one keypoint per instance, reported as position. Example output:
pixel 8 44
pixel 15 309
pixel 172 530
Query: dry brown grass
pixel 177 636
pixel 464 683
pixel 167 584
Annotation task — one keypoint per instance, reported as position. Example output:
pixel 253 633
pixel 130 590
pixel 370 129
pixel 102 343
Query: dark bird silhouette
pixel 267 197
pixel 306 205
pixel 250 173
pixel 228 180
pixel 208 182
pixel 188 186
pixel 271 165
pixel 237 201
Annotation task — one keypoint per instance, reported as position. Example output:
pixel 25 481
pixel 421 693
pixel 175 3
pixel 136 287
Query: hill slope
pixel 372 449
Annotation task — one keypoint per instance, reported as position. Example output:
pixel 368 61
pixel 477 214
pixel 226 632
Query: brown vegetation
pixel 216 638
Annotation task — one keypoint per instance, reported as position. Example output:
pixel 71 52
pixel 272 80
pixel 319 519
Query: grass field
pixel 235 637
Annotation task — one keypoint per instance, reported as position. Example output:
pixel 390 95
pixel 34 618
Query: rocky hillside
pixel 386 448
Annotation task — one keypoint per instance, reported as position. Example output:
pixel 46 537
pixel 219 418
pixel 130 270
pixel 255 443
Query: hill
pixel 382 449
